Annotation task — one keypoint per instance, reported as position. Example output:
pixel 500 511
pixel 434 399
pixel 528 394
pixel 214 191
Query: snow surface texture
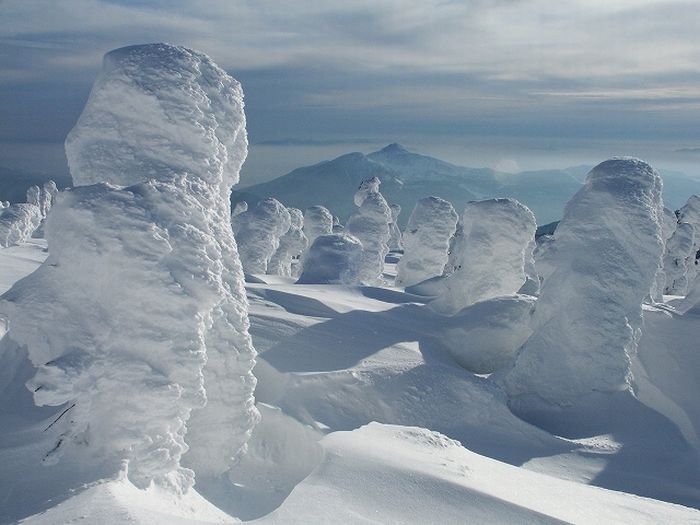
pixel 332 259
pixel 137 322
pixel 291 247
pixel 258 233
pixel 587 320
pixel 395 237
pixel 317 221
pixel 496 248
pixel 426 241
pixel 370 225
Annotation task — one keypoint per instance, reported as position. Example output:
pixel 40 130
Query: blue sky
pixel 506 83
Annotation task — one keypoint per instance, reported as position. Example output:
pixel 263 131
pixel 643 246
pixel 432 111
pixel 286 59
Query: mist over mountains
pixel 408 176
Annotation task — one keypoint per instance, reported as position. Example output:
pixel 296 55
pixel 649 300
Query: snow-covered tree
pixel 137 322
pixel 370 225
pixel 258 233
pixel 669 224
pixel 317 221
pixel 426 241
pixel 395 238
pixel 587 319
pixel 679 258
pixel 48 197
pixel 332 259
pixel 18 222
pixel 34 196
pixel 292 246
pixel 495 250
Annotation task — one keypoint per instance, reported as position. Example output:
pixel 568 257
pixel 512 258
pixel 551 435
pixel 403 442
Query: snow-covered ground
pixel 367 418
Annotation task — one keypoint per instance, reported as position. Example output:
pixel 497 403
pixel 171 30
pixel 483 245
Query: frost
pixel 370 225
pixel 332 259
pixel 426 241
pixel 587 319
pixel 491 258
pixel 137 321
pixel 258 233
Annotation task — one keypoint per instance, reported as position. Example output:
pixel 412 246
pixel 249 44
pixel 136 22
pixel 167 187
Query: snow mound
pixel 317 221
pixel 426 241
pixel 332 259
pixel 137 321
pixel 18 222
pixel 370 225
pixel 496 250
pixel 258 233
pixel 588 316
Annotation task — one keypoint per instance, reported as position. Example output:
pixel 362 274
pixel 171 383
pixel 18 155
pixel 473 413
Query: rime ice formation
pixel 258 233
pixel 678 259
pixel 455 249
pixel 48 197
pixel 34 196
pixel 18 222
pixel 317 221
pixel 239 208
pixel 690 213
pixel 668 228
pixel 495 252
pixel 137 322
pixel 395 241
pixel 370 225
pixel 586 323
pixel 426 241
pixel 332 259
pixel 291 247
pixel 337 227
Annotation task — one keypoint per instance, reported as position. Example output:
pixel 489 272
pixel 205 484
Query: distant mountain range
pixel 407 176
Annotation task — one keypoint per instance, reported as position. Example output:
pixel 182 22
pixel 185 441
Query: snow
pixel 432 223
pixel 370 225
pixel 587 320
pixel 137 321
pixel 317 221
pixel 292 246
pixel 395 236
pixel 332 259
pixel 493 256
pixel 679 258
pixel 258 233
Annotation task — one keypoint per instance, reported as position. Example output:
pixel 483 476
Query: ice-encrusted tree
pixel 18 222
pixel 317 221
pixel 258 233
pixel 137 321
pixel 239 208
pixel 679 257
pixel 332 259
pixel 370 225
pixel 48 197
pixel 493 255
pixel 395 236
pixel 426 241
pixel 292 246
pixel 690 214
pixel 586 323
pixel 669 224
pixel 34 196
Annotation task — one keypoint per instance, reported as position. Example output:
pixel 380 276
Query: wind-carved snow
pixel 494 252
pixel 292 246
pixel 587 320
pixel 370 225
pixel 395 236
pixel 317 221
pixel 426 241
pixel 332 259
pixel 258 233
pixel 137 322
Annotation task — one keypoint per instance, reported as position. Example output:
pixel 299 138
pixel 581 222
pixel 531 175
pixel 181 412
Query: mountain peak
pixel 394 147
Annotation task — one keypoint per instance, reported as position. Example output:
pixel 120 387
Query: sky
pixel 510 84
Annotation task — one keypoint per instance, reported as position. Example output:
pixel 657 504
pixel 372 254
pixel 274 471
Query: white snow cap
pixel 426 241
pixel 317 221
pixel 293 244
pixel 370 225
pixel 332 259
pixel 495 250
pixel 258 233
pixel 395 237
pixel 608 249
pixel 137 321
